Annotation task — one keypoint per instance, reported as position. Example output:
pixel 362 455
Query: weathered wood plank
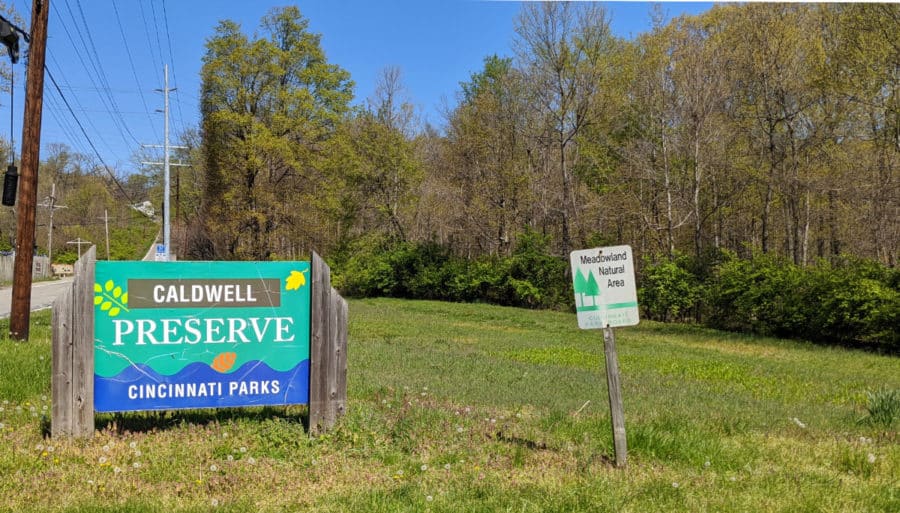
pixel 319 348
pixel 83 345
pixel 615 397
pixel 61 377
pixel 340 354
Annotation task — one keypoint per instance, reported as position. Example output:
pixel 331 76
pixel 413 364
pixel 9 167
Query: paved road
pixel 42 295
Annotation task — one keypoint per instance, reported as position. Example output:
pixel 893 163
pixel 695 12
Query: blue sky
pixel 436 45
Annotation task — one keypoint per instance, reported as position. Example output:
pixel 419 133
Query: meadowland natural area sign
pixel 200 334
pixel 137 336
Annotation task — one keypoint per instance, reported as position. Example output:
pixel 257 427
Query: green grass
pixel 481 408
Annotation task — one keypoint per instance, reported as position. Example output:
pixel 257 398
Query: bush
pixel 845 305
pixel 668 291
pixel 530 277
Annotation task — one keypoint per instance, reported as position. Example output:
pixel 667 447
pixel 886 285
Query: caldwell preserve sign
pixel 200 334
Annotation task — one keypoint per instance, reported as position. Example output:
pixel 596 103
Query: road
pixel 42 295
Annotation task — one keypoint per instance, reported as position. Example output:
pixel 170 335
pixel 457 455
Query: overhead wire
pixel 103 77
pixel 88 139
pixel 172 60
pixel 131 62
pixel 85 65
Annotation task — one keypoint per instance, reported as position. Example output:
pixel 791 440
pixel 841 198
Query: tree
pixel 269 108
pixel 563 50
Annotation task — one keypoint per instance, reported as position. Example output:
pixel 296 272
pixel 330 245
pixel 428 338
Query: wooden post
pixel 73 354
pixel 615 396
pixel 338 368
pixel 327 350
pixel 20 314
pixel 319 348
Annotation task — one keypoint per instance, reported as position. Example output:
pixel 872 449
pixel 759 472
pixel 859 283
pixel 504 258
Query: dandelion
pixel 214 502
pixel 243 449
pixel 213 468
pixel 429 498
pixel 446 466
pixel 44 454
pixel 400 472
pixel 2 408
pixel 493 421
pixel 251 460
pixel 518 415
pixel 102 460
pixel 871 458
pixel 674 485
pixel 706 464
pixel 862 440
pixel 799 422
pixel 105 448
pixel 43 398
pixel 136 464
pixel 116 470
pixel 132 445
pixel 138 453
pixel 2 425
pixel 424 394
pixel 459 429
pixel 229 458
pixel 733 479
pixel 51 448
pixel 225 434
pixel 424 468
pixel 468 410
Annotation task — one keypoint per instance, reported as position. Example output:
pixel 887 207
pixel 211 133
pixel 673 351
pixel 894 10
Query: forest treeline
pixel 762 135
pixel 770 128
pixel 765 135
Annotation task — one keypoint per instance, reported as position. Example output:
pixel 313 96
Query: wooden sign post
pixel 606 297
pixel 140 336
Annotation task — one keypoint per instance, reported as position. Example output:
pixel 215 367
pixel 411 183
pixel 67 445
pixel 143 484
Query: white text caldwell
pixel 223 330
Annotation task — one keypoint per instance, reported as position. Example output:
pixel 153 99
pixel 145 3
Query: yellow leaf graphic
pixel 109 285
pixel 295 280
pixel 124 298
pixel 105 306
pixel 117 292
pixel 98 288
pixel 98 300
pixel 114 311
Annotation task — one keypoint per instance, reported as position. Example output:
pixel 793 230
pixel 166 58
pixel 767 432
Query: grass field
pixel 481 408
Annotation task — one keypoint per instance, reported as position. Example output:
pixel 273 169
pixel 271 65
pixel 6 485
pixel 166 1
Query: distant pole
pixel 79 242
pixel 167 237
pixel 50 203
pixel 106 222
pixel 615 396
pixel 20 313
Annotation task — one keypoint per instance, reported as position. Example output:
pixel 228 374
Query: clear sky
pixel 107 57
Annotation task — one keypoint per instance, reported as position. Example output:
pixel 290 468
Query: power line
pixel 131 62
pixel 85 66
pixel 84 132
pixel 156 64
pixel 103 78
pixel 172 60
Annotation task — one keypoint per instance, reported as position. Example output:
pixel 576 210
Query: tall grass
pixel 465 407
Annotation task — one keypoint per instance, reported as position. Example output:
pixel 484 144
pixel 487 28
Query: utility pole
pixel 20 314
pixel 50 203
pixel 106 223
pixel 80 242
pixel 167 237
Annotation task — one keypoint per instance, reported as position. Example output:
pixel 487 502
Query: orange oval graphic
pixel 224 361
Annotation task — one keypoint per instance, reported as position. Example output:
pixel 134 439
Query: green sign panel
pixel 171 335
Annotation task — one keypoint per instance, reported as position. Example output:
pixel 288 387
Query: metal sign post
pixel 606 297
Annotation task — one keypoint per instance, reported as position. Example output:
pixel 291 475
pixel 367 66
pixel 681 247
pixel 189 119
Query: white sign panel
pixel 605 289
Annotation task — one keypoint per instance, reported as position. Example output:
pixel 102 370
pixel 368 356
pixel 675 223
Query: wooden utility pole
pixel 20 313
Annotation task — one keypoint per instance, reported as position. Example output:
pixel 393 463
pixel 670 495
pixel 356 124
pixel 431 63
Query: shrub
pixel 668 291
